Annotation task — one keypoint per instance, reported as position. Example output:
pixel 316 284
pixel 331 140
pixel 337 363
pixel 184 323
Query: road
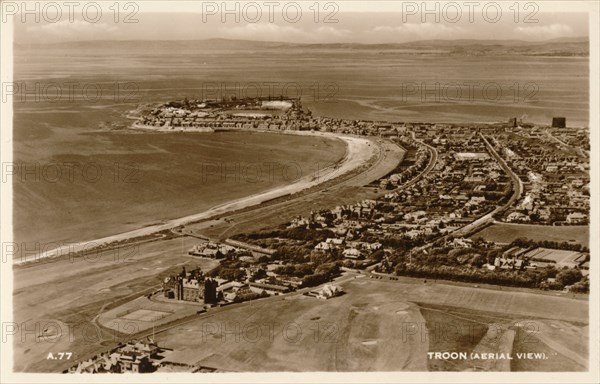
pixel 517 192
pixel 580 151
pixel 489 217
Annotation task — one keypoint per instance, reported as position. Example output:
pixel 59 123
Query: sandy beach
pixel 358 152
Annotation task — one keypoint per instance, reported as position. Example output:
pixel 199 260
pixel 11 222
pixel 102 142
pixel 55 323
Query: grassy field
pixel 565 345
pixel 376 325
pixel 359 331
pixel 365 329
pixel 143 313
pixel 505 233
pixel 71 293
pixel 450 332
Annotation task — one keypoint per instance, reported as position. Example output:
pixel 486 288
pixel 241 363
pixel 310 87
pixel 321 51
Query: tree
pixel 478 261
pixel 378 255
pixel 569 276
pixel 549 271
pixel 581 287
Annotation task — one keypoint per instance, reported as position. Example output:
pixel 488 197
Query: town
pixel 453 182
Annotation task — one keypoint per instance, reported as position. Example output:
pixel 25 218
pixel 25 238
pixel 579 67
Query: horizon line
pixel 587 38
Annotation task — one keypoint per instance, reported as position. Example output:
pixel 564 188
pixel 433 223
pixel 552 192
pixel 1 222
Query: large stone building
pixel 190 286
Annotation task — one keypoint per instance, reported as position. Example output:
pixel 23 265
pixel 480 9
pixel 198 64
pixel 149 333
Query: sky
pixel 298 22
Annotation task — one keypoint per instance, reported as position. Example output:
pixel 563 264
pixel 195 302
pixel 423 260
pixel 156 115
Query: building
pixel 190 286
pixel 577 218
pixel 559 122
pixel 471 156
pixel 329 291
pixel 352 253
pixel 509 263
pixel 131 357
pixel 211 250
pixel 271 289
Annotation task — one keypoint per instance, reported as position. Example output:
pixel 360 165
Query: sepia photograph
pixel 299 191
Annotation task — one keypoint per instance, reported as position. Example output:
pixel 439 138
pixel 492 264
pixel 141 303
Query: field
pixel 376 325
pixel 505 233
pixel 354 332
pixel 71 293
pixel 143 313
pixel 565 344
pixel 361 330
pixel 562 258
pixel 460 329
pixel 449 330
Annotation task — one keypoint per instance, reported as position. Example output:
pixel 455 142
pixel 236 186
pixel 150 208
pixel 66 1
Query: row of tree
pixel 323 273
pixel 528 243
pixel 531 278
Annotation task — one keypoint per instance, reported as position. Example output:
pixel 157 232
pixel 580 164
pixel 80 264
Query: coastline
pixel 358 151
pixel 144 127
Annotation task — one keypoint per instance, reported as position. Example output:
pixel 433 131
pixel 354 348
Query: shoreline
pixel 358 151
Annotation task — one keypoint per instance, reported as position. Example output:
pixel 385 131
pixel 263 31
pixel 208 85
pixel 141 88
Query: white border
pixel 593 376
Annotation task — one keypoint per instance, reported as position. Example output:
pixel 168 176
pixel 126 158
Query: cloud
pixel 416 31
pixel 275 32
pixel 66 30
pixel 325 31
pixel 545 32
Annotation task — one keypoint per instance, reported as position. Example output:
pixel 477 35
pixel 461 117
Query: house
pixel 462 243
pixel 477 199
pixel 230 286
pixel 132 357
pixel 352 253
pixel 272 289
pixel 336 243
pixel 517 217
pixel 577 218
pixel 508 263
pixel 323 246
pixel 212 250
pixel 328 291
